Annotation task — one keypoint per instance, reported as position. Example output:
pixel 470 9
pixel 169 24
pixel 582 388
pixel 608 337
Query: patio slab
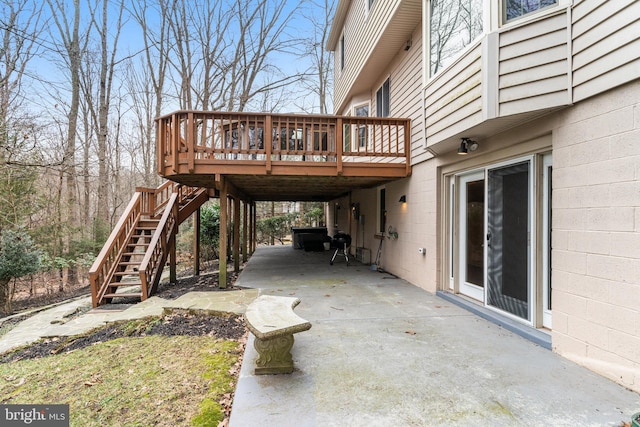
pixel 383 352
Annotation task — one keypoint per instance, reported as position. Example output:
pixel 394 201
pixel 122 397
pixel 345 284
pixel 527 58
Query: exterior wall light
pixel 467 145
pixel 403 199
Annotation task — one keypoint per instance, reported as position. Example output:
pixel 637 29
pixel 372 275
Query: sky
pixel 49 79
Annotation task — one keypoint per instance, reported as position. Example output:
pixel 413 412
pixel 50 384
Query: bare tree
pixel 20 159
pixel 146 84
pixel 261 32
pixel 108 36
pixel 318 76
pixel 141 135
pixel 68 27
pixel 20 26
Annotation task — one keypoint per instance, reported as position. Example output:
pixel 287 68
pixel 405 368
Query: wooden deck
pixel 282 157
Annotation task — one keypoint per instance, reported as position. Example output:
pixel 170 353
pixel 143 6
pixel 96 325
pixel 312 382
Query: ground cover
pixel 172 370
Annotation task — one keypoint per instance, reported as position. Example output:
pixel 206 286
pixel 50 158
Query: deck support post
pixel 236 234
pixel 222 252
pixel 196 242
pixel 245 227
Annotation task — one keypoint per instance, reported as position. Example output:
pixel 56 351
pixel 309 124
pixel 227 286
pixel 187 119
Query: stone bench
pixel 272 320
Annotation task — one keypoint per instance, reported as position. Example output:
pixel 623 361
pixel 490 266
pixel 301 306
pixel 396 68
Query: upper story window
pixel 362 111
pixel 382 100
pixel 342 52
pixel 516 8
pixel 371 2
pixel 453 25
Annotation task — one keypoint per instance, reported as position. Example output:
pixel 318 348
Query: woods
pixel 81 82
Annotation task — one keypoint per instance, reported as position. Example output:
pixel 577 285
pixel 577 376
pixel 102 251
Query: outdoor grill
pixel 341 242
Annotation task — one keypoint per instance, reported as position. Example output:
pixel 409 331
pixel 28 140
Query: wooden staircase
pixel 131 262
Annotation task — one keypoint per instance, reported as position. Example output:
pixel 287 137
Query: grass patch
pixel 134 381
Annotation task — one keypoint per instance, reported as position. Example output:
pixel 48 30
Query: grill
pixel 341 242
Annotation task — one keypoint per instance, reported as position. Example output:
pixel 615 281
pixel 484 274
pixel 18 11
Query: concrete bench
pixel 272 320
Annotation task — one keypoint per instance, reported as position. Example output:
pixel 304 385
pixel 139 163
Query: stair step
pixel 118 284
pixel 125 273
pixel 138 244
pixel 129 263
pixel 124 295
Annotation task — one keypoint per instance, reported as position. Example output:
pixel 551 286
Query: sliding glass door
pixel 494 234
pixel 508 238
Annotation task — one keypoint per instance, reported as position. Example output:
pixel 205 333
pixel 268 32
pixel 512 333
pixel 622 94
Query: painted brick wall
pixel 596 234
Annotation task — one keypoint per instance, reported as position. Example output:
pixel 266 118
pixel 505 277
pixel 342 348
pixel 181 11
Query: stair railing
pixel 156 255
pixel 145 203
pixel 106 263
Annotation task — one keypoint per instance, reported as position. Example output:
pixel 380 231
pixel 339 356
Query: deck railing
pixel 189 138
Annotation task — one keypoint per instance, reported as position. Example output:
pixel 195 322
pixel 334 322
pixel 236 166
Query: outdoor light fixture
pixel 467 145
pixel 403 199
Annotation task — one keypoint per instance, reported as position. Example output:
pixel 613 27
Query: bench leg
pixel 274 355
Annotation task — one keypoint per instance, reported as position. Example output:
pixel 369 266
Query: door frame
pixel 538 256
pixel 472 291
pixel 546 161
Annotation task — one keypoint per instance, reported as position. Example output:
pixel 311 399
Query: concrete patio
pixel 382 352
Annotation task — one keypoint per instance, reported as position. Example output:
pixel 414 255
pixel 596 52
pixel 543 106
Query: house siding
pixel 362 28
pixel 533 66
pixel 454 98
pixel 606 42
pixel 565 81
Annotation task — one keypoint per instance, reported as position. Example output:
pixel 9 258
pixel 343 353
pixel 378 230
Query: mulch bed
pixel 176 323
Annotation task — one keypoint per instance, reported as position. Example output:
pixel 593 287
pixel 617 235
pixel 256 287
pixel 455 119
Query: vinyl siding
pixel 454 98
pixel 361 30
pixel 406 99
pixel 606 42
pixel 533 67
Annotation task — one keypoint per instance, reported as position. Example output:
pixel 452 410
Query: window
pixel 452 27
pixel 382 100
pixel 516 8
pixel 371 2
pixel 342 52
pixel 362 111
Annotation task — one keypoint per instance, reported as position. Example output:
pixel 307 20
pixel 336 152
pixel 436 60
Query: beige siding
pixel 406 89
pixel 533 66
pixel 361 29
pixel 454 98
pixel 343 78
pixel 606 42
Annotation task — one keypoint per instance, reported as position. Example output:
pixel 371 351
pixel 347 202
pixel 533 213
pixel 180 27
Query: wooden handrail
pixel 156 254
pixel 146 203
pixel 200 137
pixel 106 262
